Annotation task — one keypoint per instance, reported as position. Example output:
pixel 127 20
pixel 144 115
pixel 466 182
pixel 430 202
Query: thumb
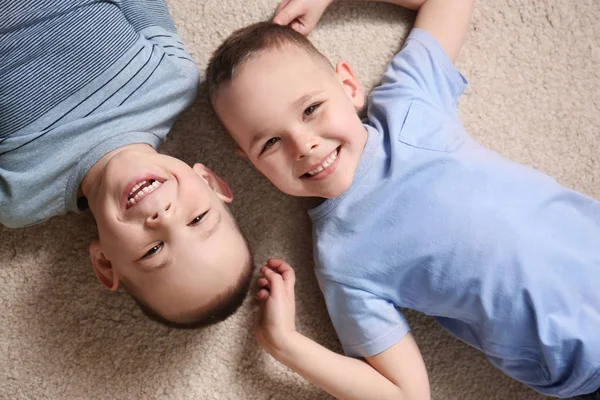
pixel 282 4
pixel 283 18
pixel 288 13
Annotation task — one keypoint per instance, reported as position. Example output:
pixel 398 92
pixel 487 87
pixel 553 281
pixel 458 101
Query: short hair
pixel 245 43
pixel 219 309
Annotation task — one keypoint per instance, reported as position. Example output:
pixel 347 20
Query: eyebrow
pixel 306 97
pixel 298 103
pixel 169 261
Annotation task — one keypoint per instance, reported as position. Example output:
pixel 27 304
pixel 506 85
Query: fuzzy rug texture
pixel 534 96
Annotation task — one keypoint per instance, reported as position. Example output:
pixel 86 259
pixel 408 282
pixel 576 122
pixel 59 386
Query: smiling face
pixel 164 228
pixel 294 118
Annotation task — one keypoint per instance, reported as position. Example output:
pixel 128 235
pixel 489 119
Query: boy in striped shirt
pixel 88 91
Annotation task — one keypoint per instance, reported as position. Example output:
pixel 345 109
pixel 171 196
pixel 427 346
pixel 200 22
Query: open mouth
pixel 140 190
pixel 326 167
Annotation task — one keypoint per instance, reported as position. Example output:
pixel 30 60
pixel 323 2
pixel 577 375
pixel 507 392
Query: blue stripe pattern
pixel 78 79
pixel 49 51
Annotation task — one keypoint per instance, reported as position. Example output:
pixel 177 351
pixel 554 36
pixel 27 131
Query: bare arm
pixel 410 4
pixel 397 373
pixel 446 20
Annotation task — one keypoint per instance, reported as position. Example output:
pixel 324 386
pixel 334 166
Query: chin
pixel 336 191
pixel 333 195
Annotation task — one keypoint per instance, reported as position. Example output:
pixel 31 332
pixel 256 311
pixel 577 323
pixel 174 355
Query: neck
pixel 97 171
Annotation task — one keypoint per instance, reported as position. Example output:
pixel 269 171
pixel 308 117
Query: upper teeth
pixel 325 164
pixel 133 200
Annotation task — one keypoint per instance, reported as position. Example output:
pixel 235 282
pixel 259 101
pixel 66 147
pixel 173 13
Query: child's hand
pixel 278 308
pixel 301 15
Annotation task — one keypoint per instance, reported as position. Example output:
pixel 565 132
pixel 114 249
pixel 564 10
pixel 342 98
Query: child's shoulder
pixel 421 69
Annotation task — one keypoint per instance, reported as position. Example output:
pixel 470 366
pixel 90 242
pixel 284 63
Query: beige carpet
pixel 534 96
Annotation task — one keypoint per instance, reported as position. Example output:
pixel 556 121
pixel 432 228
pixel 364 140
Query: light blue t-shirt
pixel 503 257
pixel 78 79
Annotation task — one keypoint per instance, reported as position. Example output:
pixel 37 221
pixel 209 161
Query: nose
pixel 160 216
pixel 305 144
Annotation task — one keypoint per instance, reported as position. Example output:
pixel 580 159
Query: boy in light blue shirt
pixel 418 215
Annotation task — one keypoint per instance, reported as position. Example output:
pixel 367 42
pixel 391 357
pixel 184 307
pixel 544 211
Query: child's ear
pixel 240 152
pixel 351 84
pixel 102 267
pixel 217 184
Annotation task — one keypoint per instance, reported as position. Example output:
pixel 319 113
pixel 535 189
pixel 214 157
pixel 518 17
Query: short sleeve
pixel 416 101
pixel 423 70
pixel 365 324
pixel 142 14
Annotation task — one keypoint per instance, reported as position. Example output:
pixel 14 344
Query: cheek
pixel 119 238
pixel 111 240
pixel 273 171
pixel 339 121
pixel 278 171
pixel 106 230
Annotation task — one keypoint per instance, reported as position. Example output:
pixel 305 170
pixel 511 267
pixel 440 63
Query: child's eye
pixel 153 250
pixel 311 109
pixel 198 218
pixel 270 143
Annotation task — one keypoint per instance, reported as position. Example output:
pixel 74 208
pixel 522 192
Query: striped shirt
pixel 78 79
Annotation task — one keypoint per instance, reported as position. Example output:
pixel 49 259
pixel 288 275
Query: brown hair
pixel 243 44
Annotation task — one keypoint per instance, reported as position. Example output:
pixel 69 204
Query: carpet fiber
pixel 534 96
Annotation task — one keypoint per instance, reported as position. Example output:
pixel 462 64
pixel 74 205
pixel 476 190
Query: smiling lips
pixel 323 167
pixel 141 190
